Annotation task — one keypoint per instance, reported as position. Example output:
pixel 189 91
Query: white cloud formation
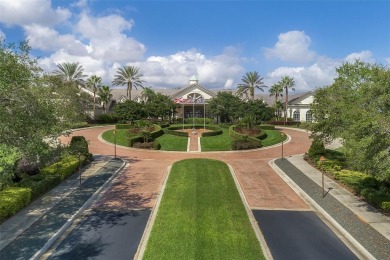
pixel 388 60
pixel 363 56
pixel 292 46
pixel 175 70
pixel 25 12
pixel 107 40
pixel 2 35
pixel 48 39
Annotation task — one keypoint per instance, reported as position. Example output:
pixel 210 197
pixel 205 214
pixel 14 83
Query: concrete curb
pixel 148 229
pixel 353 244
pixel 255 226
pixel 89 202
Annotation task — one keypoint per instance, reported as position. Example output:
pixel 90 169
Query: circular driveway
pixel 140 183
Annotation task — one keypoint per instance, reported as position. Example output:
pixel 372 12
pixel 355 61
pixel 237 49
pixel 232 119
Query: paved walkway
pixel 140 183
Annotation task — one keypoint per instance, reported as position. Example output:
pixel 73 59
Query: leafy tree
pixel 71 72
pixel 105 96
pixel 250 81
pixel 287 83
pixel 129 111
pixel 94 83
pixel 356 108
pixel 255 111
pixel 160 106
pixel 225 105
pixel 130 76
pixel 148 94
pixel 277 91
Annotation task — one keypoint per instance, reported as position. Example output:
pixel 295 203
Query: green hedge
pixel 64 168
pixel 39 184
pixel 267 127
pixel 123 126
pixel 135 139
pixel 157 133
pixel 12 200
pixel 214 131
pixel 244 144
pixel 242 137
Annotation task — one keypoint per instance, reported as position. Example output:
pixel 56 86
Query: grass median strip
pixel 201 216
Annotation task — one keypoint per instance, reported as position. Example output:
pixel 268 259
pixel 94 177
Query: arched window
pixel 309 117
pixel 297 116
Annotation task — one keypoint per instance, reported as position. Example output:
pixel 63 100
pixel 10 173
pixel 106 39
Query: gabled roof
pixel 299 98
pixel 190 88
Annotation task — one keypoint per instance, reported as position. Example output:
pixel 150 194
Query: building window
pixel 309 117
pixel 297 116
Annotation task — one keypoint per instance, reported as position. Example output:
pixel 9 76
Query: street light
pixel 114 133
pixel 282 135
pixel 322 159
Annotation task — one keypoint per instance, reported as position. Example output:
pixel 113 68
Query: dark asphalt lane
pixel 104 235
pixel 300 235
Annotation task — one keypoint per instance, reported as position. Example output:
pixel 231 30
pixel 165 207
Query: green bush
pixel 135 139
pixel 214 131
pixel 316 149
pixel 156 145
pixel 79 145
pixel 123 126
pixel 267 127
pixel 39 184
pixel 386 206
pixel 64 168
pixel 157 132
pixel 261 136
pixel 244 144
pixel 12 200
pixel 105 119
pixel 242 137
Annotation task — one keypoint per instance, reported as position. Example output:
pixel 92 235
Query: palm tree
pixel 70 72
pixel 94 83
pixel 105 96
pixel 287 82
pixel 251 80
pixel 147 94
pixel 277 91
pixel 130 76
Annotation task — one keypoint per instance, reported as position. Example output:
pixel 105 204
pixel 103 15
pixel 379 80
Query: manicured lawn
pixel 121 136
pixel 201 216
pixel 216 143
pixel 273 137
pixel 173 143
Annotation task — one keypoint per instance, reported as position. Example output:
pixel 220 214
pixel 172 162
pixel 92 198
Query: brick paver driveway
pixel 141 182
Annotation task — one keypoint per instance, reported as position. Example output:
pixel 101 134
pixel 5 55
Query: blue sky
pixel 219 41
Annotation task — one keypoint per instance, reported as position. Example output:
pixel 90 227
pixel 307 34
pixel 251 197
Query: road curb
pixel 255 226
pixel 70 221
pixel 353 244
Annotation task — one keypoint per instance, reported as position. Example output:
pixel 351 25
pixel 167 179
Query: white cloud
pixel 363 56
pixel 176 69
pixel 388 60
pixel 292 46
pixel 107 40
pixel 25 12
pixel 2 35
pixel 48 39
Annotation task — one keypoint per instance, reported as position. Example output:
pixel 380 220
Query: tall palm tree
pixel 250 81
pixel 71 72
pixel 148 94
pixel 287 82
pixel 105 96
pixel 130 76
pixel 277 91
pixel 94 83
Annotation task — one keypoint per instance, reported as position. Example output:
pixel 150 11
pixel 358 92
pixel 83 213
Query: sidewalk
pixel 355 218
pixel 26 233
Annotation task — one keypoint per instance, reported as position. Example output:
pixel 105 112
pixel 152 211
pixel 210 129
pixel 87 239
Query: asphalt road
pixel 300 235
pixel 104 234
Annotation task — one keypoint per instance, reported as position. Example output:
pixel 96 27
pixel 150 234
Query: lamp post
pixel 114 133
pixel 322 159
pixel 282 135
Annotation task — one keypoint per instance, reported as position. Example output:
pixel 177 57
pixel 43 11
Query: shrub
pixel 39 184
pixel 12 200
pixel 267 127
pixel 157 132
pixel 242 137
pixel 104 119
pixel 123 126
pixel 316 149
pixel 25 167
pixel 79 145
pixel 64 168
pixel 386 206
pixel 244 145
pixel 135 139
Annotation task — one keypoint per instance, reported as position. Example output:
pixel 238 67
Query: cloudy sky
pixel 219 41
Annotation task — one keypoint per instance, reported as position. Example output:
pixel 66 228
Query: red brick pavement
pixel 141 181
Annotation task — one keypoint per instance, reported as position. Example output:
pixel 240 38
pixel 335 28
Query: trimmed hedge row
pixel 64 168
pixel 267 127
pixel 12 200
pixel 242 141
pixel 157 133
pixel 39 184
pixel 123 126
